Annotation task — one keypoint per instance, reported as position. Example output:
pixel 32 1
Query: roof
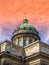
pixel 26 26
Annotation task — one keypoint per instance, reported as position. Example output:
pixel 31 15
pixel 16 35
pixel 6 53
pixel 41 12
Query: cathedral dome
pixel 25 27
pixel 25 34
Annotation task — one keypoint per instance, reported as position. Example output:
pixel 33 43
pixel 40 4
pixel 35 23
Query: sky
pixel 12 13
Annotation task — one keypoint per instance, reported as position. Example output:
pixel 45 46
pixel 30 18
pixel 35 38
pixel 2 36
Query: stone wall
pixel 16 50
pixel 3 47
pixel 34 62
pixel 10 61
pixel 44 48
pixel 31 49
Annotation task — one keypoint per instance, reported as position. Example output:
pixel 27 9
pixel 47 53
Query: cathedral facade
pixel 25 47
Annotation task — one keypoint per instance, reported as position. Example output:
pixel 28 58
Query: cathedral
pixel 25 47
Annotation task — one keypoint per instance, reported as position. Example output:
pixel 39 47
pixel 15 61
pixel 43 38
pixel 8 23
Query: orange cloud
pixel 12 12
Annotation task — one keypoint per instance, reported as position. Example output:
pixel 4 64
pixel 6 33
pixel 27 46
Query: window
pixel 35 39
pixel 30 40
pixel 43 64
pixel 25 41
pixel 6 63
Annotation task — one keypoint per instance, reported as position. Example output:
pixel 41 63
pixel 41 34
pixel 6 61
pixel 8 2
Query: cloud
pixel 47 37
pixel 4 35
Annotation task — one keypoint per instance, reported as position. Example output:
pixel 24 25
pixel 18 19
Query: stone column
pixel 27 41
pixel 16 41
pixel 33 40
pixel 22 41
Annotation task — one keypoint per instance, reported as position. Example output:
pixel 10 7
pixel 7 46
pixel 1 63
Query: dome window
pixel 25 41
pixel 30 41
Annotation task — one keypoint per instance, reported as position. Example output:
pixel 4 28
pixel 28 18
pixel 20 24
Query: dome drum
pixel 30 34
pixel 24 40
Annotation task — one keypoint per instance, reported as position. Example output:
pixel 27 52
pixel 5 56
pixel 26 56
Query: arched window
pixel 25 41
pixel 30 40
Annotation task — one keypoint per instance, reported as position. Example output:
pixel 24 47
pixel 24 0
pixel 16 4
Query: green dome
pixel 26 25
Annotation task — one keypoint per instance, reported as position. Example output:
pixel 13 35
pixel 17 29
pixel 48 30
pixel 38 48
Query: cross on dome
pixel 25 19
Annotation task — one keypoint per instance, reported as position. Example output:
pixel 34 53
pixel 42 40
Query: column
pixel 16 41
pixel 27 41
pixel 22 41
